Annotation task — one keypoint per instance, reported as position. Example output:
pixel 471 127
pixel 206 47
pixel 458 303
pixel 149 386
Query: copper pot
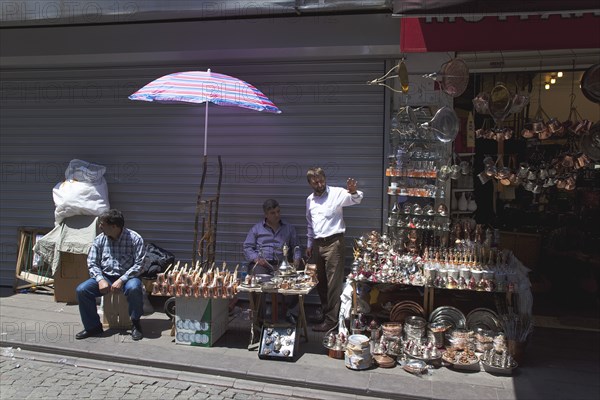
pixel 527 133
pixel 538 126
pixel 583 160
pixel 580 127
pixel 481 103
pixel 570 183
pixel 505 181
pixel 544 134
pixel 555 127
pixel 568 161
pixel 503 173
pixel 519 102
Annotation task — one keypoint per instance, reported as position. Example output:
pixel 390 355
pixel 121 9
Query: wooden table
pixel 255 302
pixel 430 296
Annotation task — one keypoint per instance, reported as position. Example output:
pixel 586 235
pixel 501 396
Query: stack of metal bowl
pixel 414 328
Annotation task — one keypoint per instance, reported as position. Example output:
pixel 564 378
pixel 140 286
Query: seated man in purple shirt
pixel 114 262
pixel 263 247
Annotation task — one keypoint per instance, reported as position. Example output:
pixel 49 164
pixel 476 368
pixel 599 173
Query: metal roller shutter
pixel 153 152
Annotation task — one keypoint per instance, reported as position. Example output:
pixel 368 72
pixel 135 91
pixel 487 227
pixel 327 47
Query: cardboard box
pixel 71 271
pixel 278 342
pixel 200 322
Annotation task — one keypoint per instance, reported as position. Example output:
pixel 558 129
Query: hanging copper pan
pixel 590 83
pixel 500 102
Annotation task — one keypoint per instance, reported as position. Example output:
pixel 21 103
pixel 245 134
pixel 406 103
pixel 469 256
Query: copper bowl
pixel 337 354
pixel 555 127
pixel 527 133
pixel 568 161
pixel 538 126
pixel 544 134
pixel 391 329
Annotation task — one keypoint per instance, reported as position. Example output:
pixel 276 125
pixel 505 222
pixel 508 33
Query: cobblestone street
pixel 29 375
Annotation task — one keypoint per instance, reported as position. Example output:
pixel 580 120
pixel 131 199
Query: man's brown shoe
pixel 323 327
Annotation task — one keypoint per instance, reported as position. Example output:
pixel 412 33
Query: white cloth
pixel 324 213
pixel 345 308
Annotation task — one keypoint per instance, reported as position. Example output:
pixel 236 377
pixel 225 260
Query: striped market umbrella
pixel 204 87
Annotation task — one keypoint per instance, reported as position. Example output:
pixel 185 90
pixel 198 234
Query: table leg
pixel 274 308
pixel 428 300
pixel 302 317
pixel 255 302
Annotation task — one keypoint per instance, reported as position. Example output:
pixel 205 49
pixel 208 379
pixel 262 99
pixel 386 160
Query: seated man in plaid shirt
pixel 115 263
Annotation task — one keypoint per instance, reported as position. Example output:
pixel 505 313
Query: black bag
pixel 156 261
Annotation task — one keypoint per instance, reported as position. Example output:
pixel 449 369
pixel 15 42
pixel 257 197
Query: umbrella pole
pixel 213 236
pixel 200 189
pixel 198 206
pixel 205 127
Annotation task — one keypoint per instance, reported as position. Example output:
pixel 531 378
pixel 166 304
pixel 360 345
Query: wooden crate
pixel 115 313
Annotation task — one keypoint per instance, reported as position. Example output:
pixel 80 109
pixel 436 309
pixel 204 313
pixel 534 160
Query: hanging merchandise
pixel 499 103
pixel 590 142
pixel 401 74
pixel 453 77
pixel 444 125
pixel 590 83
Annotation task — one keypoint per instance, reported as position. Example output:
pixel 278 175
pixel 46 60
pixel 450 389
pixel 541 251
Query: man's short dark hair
pixel 314 172
pixel 113 217
pixel 269 205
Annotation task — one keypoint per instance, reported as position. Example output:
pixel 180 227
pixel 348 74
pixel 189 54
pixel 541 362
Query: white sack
pixel 84 192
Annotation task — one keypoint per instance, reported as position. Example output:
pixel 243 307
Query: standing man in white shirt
pixel 324 214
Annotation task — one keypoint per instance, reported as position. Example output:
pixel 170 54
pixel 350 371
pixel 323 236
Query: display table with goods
pixel 424 249
pixel 201 298
pixel 421 337
pixel 278 340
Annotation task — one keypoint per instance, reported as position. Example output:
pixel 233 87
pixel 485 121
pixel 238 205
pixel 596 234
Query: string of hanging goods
pixel 453 77
pixel 400 73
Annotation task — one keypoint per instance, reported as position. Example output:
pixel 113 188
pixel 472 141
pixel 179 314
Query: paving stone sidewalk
pixel 31 375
